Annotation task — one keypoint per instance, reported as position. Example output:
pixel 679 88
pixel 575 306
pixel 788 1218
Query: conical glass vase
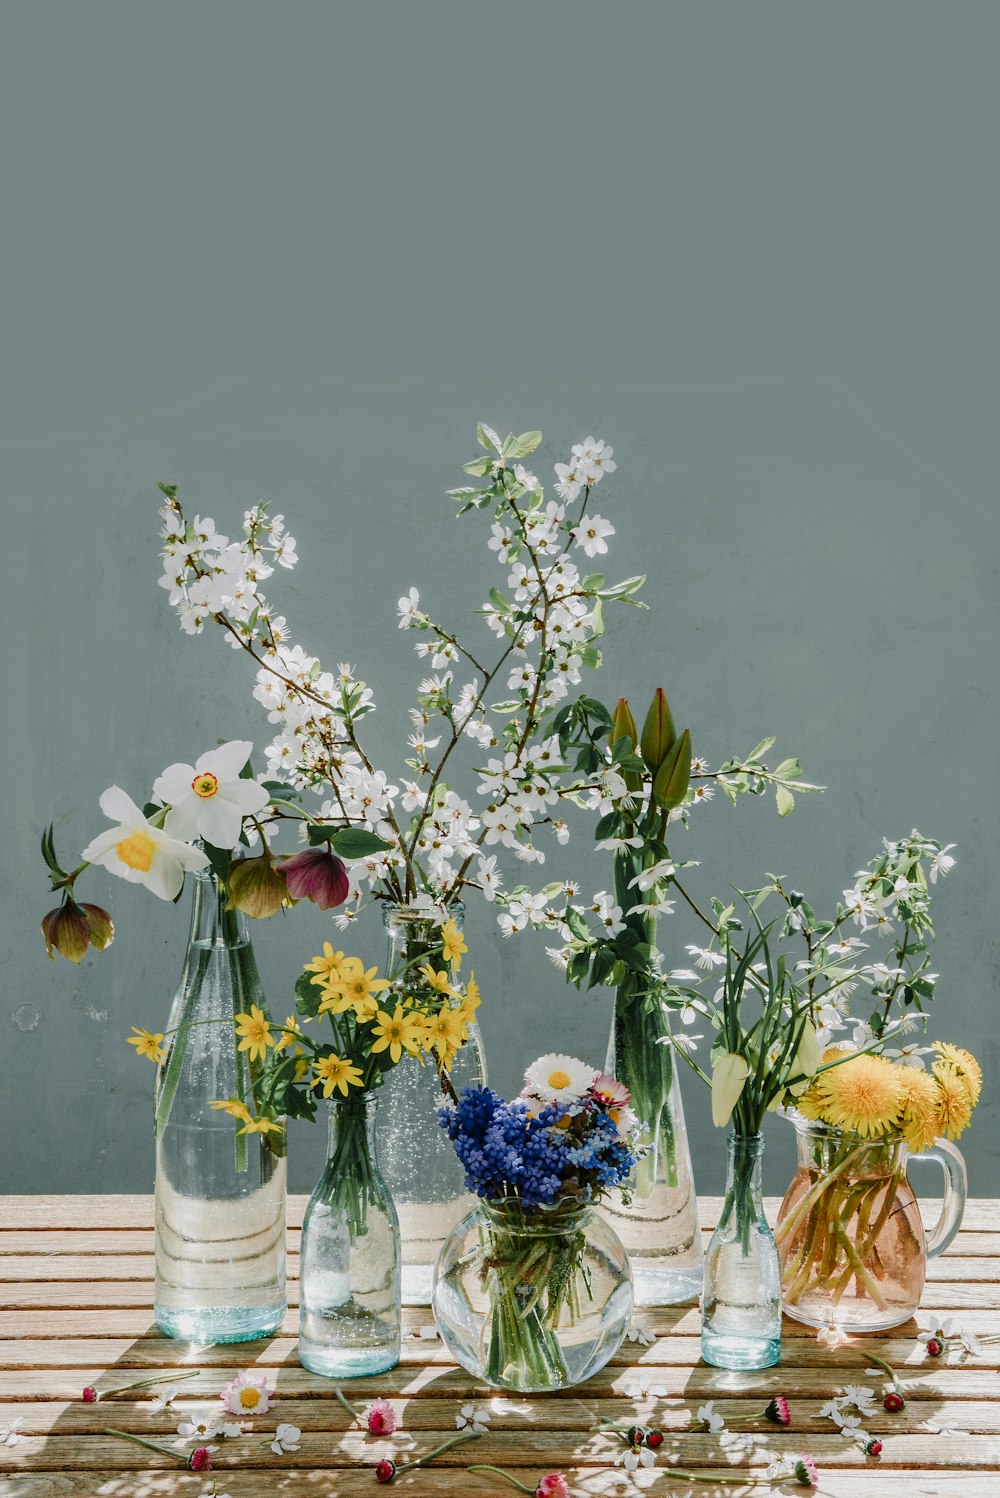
pixel 659 1225
pixel 220 1194
pixel 349 1295
pixel 419 1165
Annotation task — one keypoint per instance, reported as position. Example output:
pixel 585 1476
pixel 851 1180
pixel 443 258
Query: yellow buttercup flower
pixel 447 1031
pixel 261 1126
pixel 471 1000
pixel 920 1115
pixel 864 1095
pixel 397 1032
pixel 333 1071
pixel 232 1106
pixel 955 1104
pixel 301 1069
pixel 966 1063
pixel 254 1028
pixel 440 982
pixel 327 966
pixel 453 944
pixel 355 989
pixel 148 1045
pixel 285 1038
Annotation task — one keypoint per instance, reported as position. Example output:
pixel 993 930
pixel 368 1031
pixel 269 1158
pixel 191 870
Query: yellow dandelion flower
pixel 148 1045
pixel 440 982
pixel 289 1030
pixel 327 966
pixel 453 944
pixel 397 1032
pixel 920 1098
pixel 334 1071
pixel 954 1104
pixel 966 1063
pixel 254 1028
pixel 232 1106
pixel 865 1095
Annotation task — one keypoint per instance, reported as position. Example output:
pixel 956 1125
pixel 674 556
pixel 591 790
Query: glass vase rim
pixel 437 914
pixel 362 1097
pixel 817 1128
pixel 545 1218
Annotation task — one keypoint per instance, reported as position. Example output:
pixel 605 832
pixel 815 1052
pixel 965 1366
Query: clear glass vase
pixel 659 1226
pixel 349 1301
pixel 850 1235
pixel 741 1302
pixel 422 1170
pixel 220 1194
pixel 532 1302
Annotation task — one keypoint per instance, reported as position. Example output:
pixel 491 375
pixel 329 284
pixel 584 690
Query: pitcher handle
pixel 955 1191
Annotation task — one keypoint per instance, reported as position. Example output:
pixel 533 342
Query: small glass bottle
pixel 741 1302
pixel 349 1300
pixel 424 1174
pixel 220 1194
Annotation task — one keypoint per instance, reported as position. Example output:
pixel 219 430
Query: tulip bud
pixel 623 727
pixel 318 875
pixel 806 1061
pixel 670 784
pixel 729 1076
pixel 256 888
pixel 657 732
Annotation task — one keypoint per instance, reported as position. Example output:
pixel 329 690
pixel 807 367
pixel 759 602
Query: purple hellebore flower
pixel 316 874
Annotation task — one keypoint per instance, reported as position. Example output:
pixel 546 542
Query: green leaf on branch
pixel 357 842
pixel 784 799
pixel 307 995
pixel 487 437
pixel 521 446
pixel 576 924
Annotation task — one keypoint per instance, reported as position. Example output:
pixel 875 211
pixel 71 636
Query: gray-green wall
pixel 295 251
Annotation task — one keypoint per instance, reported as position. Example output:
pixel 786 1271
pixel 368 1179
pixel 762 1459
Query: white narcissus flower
pixel 208 799
pixel 139 852
pixel 729 1075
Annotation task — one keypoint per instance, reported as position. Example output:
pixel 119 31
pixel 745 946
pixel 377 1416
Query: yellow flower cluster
pixel 876 1098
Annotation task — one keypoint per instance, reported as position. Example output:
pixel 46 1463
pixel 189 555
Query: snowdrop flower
pixel 286 1438
pixel 139 852
pixel 710 1417
pixel 591 533
pixel 469 1418
pixel 208 799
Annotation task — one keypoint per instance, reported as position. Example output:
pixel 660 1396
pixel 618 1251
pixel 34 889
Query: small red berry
pixel 385 1470
pixel 893 1402
pixel 200 1459
pixel 90 1395
pixel 935 1347
pixel 873 1448
pixel 654 1438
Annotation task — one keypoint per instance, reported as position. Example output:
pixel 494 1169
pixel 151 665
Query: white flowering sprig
pixel 427 841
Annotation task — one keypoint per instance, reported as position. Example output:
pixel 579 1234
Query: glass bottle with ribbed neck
pixel 741 1301
pixel 220 1194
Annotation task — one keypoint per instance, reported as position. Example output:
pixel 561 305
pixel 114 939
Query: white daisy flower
pixel 558 1079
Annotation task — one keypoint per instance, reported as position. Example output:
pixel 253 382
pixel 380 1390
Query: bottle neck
pixel 415 933
pixel 212 923
pixel 746 1152
pixel 353 1115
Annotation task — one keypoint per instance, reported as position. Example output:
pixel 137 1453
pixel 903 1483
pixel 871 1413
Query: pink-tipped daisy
pixel 806 1472
pixel 248 1394
pixel 553 1485
pixel 608 1089
pixel 778 1411
pixel 380 1418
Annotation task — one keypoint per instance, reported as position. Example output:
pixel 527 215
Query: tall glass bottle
pixel 741 1304
pixel 659 1225
pixel 349 1311
pixel 220 1194
pixel 419 1164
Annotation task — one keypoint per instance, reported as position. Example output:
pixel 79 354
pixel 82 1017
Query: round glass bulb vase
pixel 741 1302
pixel 420 1166
pixel 850 1235
pixel 349 1304
pixel 535 1302
pixel 659 1225
pixel 220 1194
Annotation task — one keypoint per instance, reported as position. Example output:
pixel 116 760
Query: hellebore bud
pixel 256 888
pixel 657 732
pixel 72 928
pixel 318 875
pixel 671 781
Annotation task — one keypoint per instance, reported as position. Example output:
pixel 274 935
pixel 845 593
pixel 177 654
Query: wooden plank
pixel 544 1448
pixel 137 1211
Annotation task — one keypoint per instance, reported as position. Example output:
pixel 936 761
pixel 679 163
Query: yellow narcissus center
pixel 137 851
pixel 205 785
pixel 558 1079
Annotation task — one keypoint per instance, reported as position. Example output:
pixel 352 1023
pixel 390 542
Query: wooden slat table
pixel 75 1309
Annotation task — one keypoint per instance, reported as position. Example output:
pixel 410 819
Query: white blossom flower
pixel 488 878
pixel 832 1336
pixel 664 869
pixel 634 1457
pixel 571 480
pixel 286 1438
pixel 705 958
pixel 139 852
pixel 408 608
pixel 200 1430
pixel 595 457
pixel 637 1333
pixel 591 533
pixel 471 1418
pixel 209 799
pixel 941 863
pixel 709 1416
